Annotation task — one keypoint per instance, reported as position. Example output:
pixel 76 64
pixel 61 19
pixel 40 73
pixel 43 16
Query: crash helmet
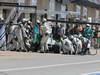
pixel 88 25
pixel 44 19
pixel 38 21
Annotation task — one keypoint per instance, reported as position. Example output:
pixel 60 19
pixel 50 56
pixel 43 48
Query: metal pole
pixel 56 19
pixel 35 14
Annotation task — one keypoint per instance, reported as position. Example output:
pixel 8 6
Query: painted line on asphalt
pixel 92 73
pixel 49 66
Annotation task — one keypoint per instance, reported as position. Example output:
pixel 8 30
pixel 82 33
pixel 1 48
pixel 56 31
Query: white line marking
pixel 48 66
pixel 91 73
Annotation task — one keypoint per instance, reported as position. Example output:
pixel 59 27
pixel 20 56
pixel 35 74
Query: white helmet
pixel 1 18
pixel 88 25
pixel 24 19
pixel 38 21
pixel 44 19
pixel 29 22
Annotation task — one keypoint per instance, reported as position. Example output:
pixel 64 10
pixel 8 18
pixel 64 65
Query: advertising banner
pixel 63 8
pixel 78 9
pixel 85 12
pixel 96 15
